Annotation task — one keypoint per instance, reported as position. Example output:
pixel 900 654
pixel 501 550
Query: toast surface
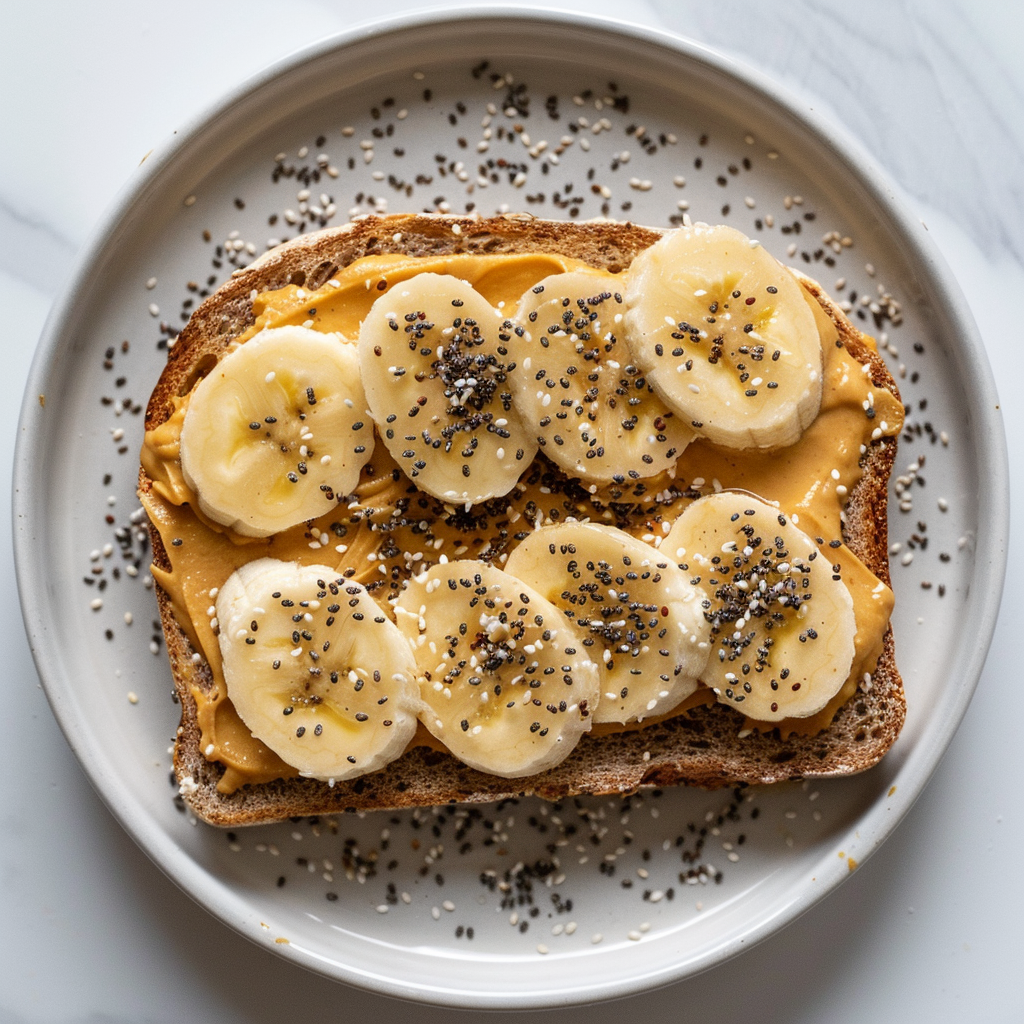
pixel 699 747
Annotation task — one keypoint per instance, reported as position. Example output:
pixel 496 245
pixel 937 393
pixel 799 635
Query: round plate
pixel 522 904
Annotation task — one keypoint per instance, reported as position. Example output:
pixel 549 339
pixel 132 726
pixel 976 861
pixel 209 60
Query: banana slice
pixel 782 622
pixel 315 669
pixel 436 361
pixel 508 683
pixel 277 432
pixel 725 335
pixel 642 618
pixel 594 412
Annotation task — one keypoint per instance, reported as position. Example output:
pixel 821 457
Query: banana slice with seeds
pixel 508 683
pixel 594 412
pixel 277 432
pixel 436 362
pixel 782 621
pixel 315 669
pixel 642 618
pixel 725 335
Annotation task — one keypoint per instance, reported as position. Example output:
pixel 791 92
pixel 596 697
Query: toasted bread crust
pixel 698 747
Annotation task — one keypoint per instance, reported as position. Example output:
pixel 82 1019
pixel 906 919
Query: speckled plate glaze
pixel 522 905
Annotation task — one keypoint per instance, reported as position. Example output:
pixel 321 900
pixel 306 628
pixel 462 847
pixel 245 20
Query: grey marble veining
pixel 34 248
pixel 926 88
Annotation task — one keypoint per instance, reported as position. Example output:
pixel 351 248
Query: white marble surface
pixel 925 930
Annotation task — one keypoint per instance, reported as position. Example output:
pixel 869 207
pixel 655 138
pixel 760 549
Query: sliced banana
pixel 277 432
pixel 315 669
pixel 592 409
pixel 782 622
pixel 436 359
pixel 725 335
pixel 642 618
pixel 508 683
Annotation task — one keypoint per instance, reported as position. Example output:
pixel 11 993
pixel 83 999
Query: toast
pixel 702 746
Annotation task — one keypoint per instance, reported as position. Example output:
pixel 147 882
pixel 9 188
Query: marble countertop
pixel 925 929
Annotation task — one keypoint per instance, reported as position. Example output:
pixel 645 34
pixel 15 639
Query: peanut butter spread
pixel 390 530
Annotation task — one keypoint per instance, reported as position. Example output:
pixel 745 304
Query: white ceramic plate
pixel 545 905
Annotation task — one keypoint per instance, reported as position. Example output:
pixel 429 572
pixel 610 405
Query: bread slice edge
pixel 699 747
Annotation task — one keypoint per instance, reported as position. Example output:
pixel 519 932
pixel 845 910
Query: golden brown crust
pixel 699 747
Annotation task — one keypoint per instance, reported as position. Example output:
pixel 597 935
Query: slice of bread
pixel 702 746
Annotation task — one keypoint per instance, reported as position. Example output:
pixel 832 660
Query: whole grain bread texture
pixel 699 747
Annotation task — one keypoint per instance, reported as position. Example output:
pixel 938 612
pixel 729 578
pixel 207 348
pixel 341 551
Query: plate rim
pixel 990 553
